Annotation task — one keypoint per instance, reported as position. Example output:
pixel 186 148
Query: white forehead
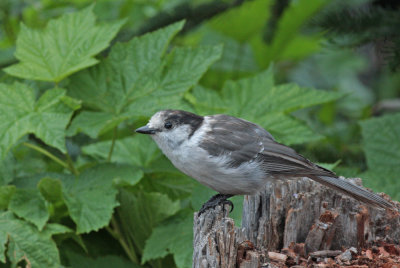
pixel 157 119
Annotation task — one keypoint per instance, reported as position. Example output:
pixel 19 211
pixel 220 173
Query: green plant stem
pixel 238 61
pixel 71 165
pixel 116 233
pixel 114 138
pixel 47 153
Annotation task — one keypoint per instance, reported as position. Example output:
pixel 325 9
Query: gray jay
pixel 236 157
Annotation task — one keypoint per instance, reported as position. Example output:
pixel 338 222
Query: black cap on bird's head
pixel 168 119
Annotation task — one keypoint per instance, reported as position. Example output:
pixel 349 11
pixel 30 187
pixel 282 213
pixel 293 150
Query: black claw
pixel 228 202
pixel 215 201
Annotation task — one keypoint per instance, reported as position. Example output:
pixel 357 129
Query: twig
pixel 116 233
pixel 47 153
pixel 112 144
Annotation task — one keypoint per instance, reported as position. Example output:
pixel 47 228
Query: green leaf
pixel 51 229
pixel 184 68
pixel 90 198
pixel 237 57
pixel 174 236
pixel 330 166
pixel 206 101
pixel 137 79
pixel 65 46
pixel 20 114
pixel 331 64
pixel 25 242
pixel 141 152
pixel 301 47
pixel 288 42
pixel 231 23
pixel 80 261
pixel 3 239
pixel 125 175
pixel 382 181
pixel 138 150
pixel 288 129
pixel 30 205
pixel 257 99
pixel 126 74
pixel 51 189
pixel 175 184
pixel 7 166
pixel 381 144
pixel 94 123
pixel 22 161
pixel 6 192
pixel 140 212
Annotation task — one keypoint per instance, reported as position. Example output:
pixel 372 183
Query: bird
pixel 234 156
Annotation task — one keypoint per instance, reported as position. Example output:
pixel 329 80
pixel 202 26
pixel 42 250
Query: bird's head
pixel 171 127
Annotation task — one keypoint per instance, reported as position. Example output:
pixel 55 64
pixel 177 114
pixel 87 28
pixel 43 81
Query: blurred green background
pixel 79 189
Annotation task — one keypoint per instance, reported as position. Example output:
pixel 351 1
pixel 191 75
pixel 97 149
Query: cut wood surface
pixel 289 223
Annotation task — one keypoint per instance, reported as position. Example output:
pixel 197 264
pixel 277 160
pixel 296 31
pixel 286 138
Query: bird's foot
pixel 218 199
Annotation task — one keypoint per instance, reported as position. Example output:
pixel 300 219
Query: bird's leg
pixel 216 200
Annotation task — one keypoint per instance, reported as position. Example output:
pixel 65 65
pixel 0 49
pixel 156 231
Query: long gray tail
pixel 354 191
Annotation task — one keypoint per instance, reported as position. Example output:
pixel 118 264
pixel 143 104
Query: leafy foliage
pixel 65 46
pixel 25 242
pixel 79 261
pixel 363 25
pixel 286 41
pixel 144 211
pixel 381 143
pixel 161 242
pixel 30 205
pixel 129 150
pixel 79 189
pixel 6 192
pixel 137 80
pixel 20 114
pixel 82 197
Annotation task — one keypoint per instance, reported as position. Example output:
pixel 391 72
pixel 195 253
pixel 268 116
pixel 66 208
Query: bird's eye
pixel 168 125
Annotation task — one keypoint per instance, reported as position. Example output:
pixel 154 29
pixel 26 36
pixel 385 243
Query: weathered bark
pixel 284 214
pixel 214 239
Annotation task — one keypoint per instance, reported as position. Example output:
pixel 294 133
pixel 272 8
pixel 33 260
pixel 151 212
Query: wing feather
pixel 278 159
pixel 238 138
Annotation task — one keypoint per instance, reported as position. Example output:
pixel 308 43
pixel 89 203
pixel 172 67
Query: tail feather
pixel 353 190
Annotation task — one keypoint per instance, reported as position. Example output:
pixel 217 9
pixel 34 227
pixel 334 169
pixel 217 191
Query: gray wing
pixel 238 138
pixel 245 141
pixel 278 159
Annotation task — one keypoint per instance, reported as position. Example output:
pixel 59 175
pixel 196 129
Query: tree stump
pixel 296 217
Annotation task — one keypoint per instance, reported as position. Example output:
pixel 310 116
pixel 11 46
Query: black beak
pixel 145 130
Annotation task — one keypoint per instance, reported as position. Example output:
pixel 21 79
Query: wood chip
pixel 325 253
pixel 383 252
pixel 274 256
pixel 368 254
